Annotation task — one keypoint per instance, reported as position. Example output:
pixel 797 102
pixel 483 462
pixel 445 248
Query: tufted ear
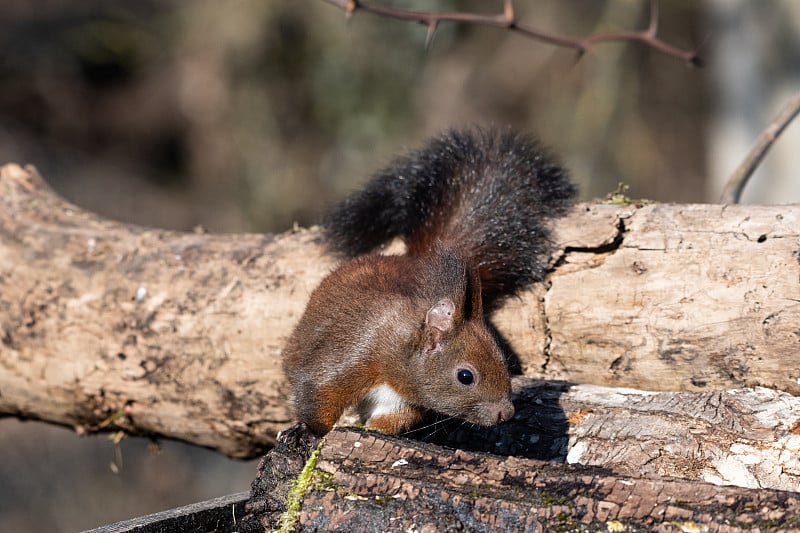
pixel 438 320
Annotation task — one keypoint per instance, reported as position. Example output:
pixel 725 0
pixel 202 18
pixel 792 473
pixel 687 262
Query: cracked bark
pixel 110 326
pixel 368 482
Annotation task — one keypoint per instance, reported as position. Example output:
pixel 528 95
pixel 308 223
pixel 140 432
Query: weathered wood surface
pixel 746 437
pixel 111 326
pixel 108 325
pixel 693 297
pixel 639 442
pixel 368 482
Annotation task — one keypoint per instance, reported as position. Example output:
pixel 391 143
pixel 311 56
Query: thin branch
pixel 507 20
pixel 732 193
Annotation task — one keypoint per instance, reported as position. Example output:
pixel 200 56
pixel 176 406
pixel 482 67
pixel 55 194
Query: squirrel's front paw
pixel 299 435
pixel 397 422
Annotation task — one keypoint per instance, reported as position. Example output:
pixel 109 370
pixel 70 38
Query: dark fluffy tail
pixel 488 194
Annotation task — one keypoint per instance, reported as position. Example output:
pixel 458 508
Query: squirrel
pixel 399 335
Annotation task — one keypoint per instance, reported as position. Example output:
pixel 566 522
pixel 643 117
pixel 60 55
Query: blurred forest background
pixel 253 115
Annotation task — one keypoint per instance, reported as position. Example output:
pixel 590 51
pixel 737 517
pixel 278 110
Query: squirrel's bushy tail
pixel 488 194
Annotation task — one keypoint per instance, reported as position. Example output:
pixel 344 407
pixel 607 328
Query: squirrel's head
pixel 462 371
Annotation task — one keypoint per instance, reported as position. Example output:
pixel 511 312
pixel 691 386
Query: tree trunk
pixel 111 326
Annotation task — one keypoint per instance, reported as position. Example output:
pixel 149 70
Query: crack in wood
pixel 601 252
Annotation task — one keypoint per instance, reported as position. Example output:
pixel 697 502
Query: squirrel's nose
pixel 505 412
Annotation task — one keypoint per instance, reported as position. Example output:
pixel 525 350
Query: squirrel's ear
pixel 438 319
pixel 440 316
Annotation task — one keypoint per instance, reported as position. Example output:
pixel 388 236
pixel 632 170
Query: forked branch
pixel 507 20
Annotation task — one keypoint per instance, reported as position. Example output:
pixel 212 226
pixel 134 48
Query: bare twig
pixel 507 20
pixel 732 193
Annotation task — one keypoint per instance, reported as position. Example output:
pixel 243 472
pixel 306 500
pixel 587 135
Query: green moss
pixel 323 481
pixel 300 486
pixel 619 197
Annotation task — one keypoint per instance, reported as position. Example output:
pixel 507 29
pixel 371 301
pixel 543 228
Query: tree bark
pixel 368 482
pixel 111 326
pixel 691 297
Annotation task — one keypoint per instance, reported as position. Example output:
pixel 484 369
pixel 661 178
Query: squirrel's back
pixel 487 194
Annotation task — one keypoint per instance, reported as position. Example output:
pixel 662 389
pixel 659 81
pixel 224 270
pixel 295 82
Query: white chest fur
pixel 380 400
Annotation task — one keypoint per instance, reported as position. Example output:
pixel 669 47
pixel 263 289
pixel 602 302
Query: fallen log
pixel 744 437
pixel 357 481
pixel 111 326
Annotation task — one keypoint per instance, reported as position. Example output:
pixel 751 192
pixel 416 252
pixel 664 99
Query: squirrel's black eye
pixel 465 377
